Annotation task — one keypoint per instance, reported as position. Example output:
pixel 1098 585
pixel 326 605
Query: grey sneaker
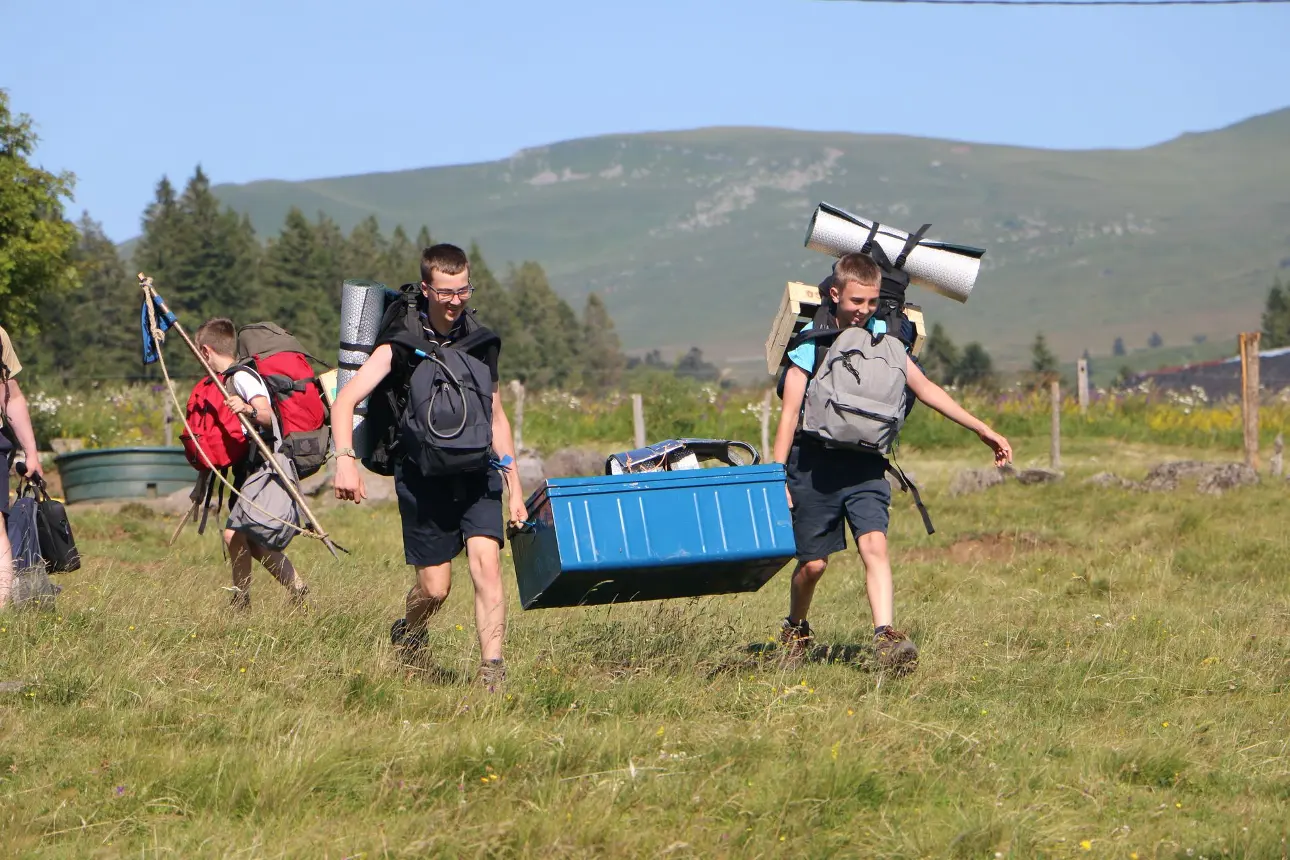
pixel 492 674
pixel 298 595
pixel 240 601
pixel 796 639
pixel 894 651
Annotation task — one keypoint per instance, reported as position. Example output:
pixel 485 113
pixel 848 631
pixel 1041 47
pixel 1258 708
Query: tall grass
pixel 1104 674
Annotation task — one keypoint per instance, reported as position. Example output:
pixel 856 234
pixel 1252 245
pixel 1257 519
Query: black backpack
pixel 54 530
pixel 387 406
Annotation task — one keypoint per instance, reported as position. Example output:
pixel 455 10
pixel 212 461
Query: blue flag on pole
pixel 165 319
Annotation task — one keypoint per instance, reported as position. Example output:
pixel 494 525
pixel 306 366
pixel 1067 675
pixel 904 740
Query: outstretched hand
pixel 998 444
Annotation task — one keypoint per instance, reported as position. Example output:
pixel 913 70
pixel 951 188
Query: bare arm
pixel 794 391
pixel 19 417
pixel 348 483
pixel 937 398
pixel 504 445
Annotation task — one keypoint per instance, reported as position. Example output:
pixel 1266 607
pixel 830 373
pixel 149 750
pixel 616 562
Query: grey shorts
pixel 829 487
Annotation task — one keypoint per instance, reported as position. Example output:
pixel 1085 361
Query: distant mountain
pixel 690 236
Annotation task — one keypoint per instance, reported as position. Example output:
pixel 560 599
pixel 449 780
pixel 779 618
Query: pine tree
pixel 366 252
pixel 975 368
pixel 546 350
pixel 402 261
pixel 1043 364
pixel 1276 318
pixel 1117 348
pixel 602 352
pixel 157 252
pixel 1155 341
pixel 493 304
pixel 87 331
pixel 940 359
pixel 423 240
pixel 217 259
pixel 293 289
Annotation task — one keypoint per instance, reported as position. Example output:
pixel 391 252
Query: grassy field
pixel 1104 674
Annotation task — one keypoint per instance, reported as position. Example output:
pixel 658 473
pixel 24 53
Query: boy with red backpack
pixel 218 442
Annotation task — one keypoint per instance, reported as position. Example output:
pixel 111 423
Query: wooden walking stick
pixel 154 301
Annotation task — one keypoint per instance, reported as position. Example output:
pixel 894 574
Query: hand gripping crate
pixel 653 536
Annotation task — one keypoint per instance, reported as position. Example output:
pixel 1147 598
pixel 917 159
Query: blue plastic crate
pixel 653 536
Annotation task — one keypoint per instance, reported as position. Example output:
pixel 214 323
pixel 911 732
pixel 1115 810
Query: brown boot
pixel 796 640
pixel 894 651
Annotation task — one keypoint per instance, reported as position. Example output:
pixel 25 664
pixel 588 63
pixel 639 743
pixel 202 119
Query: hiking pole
pixel 153 301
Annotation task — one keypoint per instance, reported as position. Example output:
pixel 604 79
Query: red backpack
pixel 216 432
pixel 294 391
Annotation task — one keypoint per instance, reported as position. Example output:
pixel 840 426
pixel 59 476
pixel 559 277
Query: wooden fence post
pixel 638 420
pixel 1055 447
pixel 765 427
pixel 517 423
pixel 1250 396
pixel 1082 373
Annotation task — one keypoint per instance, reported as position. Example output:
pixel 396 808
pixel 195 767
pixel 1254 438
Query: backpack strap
pixel 910 487
pixel 910 244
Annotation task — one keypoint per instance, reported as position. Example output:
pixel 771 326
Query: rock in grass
pixel 975 481
pixel 1227 476
pixel 1037 476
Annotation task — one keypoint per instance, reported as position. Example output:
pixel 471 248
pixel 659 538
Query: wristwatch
pixel 346 452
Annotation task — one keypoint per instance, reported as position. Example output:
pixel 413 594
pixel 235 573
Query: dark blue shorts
pixel 829 486
pixel 440 514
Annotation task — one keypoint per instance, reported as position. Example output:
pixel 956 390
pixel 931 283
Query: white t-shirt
pixel 248 386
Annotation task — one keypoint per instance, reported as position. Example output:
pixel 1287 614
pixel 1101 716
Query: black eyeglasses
pixel 447 295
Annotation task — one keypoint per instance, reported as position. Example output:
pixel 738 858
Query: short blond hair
pixel 856 269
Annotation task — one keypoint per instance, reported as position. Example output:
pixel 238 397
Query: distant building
pixel 1221 379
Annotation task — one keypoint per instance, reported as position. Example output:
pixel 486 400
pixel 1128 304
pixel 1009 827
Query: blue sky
pixel 124 93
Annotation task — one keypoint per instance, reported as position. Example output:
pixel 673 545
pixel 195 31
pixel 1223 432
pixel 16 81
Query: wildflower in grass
pixel 120 790
pixel 242 670
pixel 660 731
pixel 1085 845
pixel 1165 724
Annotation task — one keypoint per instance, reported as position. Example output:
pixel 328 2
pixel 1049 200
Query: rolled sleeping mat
pixel 942 267
pixel 362 304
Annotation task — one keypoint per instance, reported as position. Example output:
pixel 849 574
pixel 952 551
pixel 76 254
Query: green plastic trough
pixel 123 473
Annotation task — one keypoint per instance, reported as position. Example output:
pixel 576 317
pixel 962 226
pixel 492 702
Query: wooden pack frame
pixel 796 310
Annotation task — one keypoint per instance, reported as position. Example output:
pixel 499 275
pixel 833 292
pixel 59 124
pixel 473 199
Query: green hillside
pixel 690 236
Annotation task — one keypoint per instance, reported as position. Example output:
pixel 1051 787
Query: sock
pixel 878 630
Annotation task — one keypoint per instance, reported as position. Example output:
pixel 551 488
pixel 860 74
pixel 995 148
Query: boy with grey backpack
pixel 843 409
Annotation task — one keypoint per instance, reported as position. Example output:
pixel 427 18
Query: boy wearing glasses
pixel 440 514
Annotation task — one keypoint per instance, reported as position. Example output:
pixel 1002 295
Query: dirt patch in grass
pixel 987 547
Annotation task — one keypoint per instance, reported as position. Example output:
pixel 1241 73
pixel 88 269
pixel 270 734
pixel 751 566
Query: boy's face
pixel 856 302
pixel 448 294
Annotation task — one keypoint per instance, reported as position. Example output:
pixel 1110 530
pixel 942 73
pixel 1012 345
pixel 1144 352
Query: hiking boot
pixel 796 639
pixel 492 674
pixel 894 651
pixel 298 595
pixel 407 643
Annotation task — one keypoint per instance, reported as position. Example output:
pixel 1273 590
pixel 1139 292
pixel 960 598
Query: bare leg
pixel 240 559
pixel 427 596
pixel 877 577
pixel 280 566
pixel 490 600
pixel 805 578
pixel 6 563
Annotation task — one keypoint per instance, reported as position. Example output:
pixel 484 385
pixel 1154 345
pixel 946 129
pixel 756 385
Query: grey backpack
pixel 857 397
pixel 447 424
